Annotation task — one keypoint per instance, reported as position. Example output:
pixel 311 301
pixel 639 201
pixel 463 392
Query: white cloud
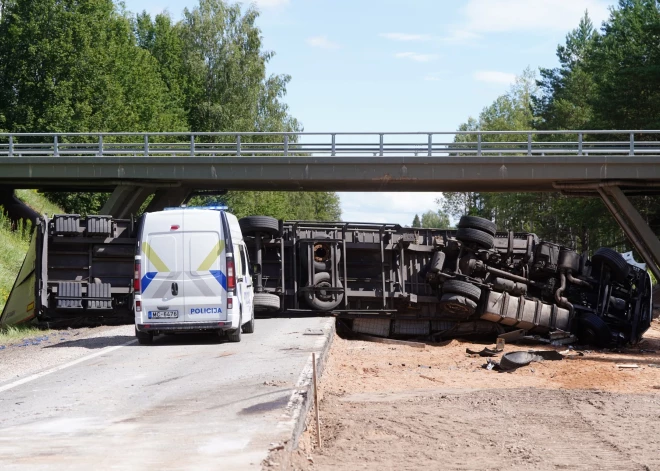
pixel 431 78
pixel 483 16
pixel 270 3
pixel 491 76
pixel 406 37
pixel 415 56
pixel 322 42
pixel 386 207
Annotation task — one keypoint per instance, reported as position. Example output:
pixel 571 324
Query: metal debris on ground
pixel 628 365
pixel 486 352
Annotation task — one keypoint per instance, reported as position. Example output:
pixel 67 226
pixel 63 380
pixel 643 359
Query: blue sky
pixel 392 65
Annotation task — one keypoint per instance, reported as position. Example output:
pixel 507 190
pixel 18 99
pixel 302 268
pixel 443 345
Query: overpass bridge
pixel 171 166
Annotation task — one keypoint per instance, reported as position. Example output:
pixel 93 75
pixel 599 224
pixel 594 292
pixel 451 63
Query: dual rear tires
pixel 476 231
pixel 459 299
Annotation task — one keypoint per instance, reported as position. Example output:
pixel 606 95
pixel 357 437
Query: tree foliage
pixel 605 80
pixel 91 66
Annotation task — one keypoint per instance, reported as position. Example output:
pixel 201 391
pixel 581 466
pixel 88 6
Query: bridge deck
pixel 444 161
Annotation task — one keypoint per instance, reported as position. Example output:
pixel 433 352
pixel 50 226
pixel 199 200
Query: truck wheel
pixel 320 300
pixel 463 288
pixel 475 236
pixel 457 307
pixel 322 254
pixel 254 224
pixel 592 330
pixel 235 335
pixel 144 338
pixel 266 302
pixel 474 222
pixel 612 259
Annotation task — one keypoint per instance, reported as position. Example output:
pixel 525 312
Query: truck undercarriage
pixel 382 279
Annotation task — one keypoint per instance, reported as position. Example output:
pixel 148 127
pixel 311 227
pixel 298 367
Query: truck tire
pixel 612 259
pixel 144 338
pixel 474 222
pixel 234 336
pixel 266 302
pixel 319 300
pixel 463 288
pixel 254 224
pixel 592 330
pixel 475 236
pixel 322 255
pixel 457 307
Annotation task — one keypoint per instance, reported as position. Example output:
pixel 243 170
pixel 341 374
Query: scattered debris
pixel 653 365
pixel 513 360
pixel 313 332
pixel 513 335
pixel 628 365
pixel 486 352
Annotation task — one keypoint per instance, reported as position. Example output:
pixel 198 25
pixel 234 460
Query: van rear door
pixel 162 253
pixel 204 266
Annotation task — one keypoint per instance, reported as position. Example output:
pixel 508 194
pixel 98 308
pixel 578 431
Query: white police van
pixel 191 274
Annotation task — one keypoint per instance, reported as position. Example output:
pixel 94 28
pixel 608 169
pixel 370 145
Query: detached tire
pixel 254 224
pixel 474 222
pixel 592 330
pixel 612 259
pixel 462 288
pixel 320 300
pixel 266 302
pixel 475 236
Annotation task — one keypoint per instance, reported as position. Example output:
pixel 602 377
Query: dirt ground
pixel 399 407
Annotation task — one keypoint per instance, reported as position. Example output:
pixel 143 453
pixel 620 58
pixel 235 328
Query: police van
pixel 191 274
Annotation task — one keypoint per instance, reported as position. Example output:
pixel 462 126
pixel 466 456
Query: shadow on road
pixel 95 342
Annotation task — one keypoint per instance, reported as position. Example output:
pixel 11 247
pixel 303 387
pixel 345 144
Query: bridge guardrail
pixel 354 144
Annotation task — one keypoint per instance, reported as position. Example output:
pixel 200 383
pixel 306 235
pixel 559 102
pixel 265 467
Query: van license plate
pixel 163 314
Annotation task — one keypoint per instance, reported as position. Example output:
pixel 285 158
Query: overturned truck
pixel 380 279
pixel 392 281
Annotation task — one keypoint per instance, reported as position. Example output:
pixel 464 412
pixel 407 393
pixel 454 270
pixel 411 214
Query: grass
pixel 14 241
pixel 20 332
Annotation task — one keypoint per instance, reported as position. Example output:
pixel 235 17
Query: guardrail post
pixel 529 143
pixel 100 144
pixel 286 146
pixel 146 145
pixel 333 145
pixel 11 146
pixel 56 147
pixel 192 145
pixel 632 143
pixel 479 145
pixel 381 145
pixel 579 143
pixel 238 144
pixel 430 144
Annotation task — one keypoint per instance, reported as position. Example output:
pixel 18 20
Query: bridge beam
pixel 168 197
pixel 126 200
pixel 635 227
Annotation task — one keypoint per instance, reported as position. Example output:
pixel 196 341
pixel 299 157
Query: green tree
pixel 416 222
pixel 435 220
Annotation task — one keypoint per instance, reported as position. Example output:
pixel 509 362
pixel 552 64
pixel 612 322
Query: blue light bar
pixel 215 207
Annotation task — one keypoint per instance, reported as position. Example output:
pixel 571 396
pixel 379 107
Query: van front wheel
pixel 235 335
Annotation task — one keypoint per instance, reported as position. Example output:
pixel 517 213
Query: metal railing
pixel 385 144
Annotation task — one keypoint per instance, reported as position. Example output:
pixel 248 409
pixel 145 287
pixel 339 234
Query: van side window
pixel 244 262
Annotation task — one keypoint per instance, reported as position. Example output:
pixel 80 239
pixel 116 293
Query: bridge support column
pixel 634 226
pixel 168 197
pixel 126 200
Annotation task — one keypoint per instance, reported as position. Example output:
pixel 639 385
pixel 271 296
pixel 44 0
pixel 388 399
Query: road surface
pixel 186 402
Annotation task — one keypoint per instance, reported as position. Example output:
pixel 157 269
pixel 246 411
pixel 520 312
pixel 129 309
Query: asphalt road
pixel 186 402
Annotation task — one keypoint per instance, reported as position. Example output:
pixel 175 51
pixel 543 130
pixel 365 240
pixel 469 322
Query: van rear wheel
pixel 235 335
pixel 144 338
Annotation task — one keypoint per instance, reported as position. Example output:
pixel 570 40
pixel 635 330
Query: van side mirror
pixel 256 269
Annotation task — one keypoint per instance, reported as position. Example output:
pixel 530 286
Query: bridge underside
pixel 171 180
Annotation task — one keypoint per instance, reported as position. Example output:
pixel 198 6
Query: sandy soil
pixel 398 407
